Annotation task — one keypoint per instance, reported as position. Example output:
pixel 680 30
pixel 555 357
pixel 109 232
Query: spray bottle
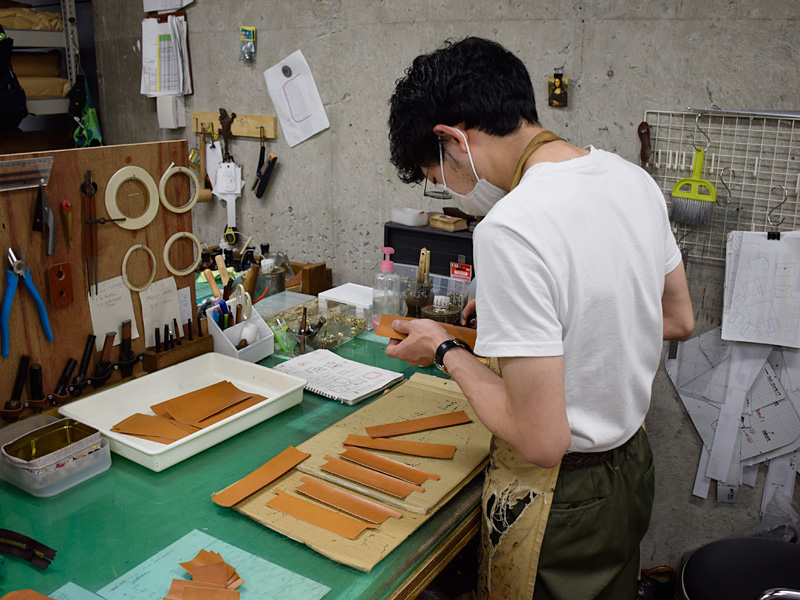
pixel 387 297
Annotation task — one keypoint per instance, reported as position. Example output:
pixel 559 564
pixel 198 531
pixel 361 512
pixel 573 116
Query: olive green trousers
pixel 598 518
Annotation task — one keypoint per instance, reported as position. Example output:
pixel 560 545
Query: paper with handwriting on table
pixel 263 580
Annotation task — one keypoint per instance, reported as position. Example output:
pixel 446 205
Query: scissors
pixel 244 300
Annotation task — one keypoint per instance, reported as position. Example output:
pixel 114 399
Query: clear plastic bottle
pixel 387 296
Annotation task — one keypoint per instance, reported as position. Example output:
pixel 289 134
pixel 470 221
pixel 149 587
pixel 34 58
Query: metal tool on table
pixel 19 271
pixel 80 381
pixel 104 367
pixel 43 217
pixel 89 189
pixel 66 212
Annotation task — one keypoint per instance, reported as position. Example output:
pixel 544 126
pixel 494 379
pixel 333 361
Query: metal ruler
pixel 25 173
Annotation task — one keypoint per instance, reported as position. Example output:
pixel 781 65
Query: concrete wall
pixel 330 196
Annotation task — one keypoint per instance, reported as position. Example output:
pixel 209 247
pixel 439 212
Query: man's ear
pixel 457 134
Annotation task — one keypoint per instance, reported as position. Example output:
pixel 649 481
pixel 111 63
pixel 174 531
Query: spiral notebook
pixel 332 376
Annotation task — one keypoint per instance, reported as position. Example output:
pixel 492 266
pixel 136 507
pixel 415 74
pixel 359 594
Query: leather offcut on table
pixel 333 521
pixel 348 502
pixel 402 446
pixel 417 425
pixel 374 479
pixel 387 465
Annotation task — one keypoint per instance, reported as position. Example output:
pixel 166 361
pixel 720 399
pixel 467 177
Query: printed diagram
pixel 763 299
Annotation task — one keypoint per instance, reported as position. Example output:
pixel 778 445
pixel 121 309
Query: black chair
pixel 743 569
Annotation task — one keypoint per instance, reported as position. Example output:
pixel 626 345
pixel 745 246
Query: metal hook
pixel 263 135
pixel 785 198
pixel 700 129
pixel 725 185
pixel 687 233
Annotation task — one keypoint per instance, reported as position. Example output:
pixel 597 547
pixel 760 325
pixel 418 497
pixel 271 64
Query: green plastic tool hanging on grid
pixel 693 198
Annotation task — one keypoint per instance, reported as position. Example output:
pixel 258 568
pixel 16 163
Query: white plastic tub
pixel 107 408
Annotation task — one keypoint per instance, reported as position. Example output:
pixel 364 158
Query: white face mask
pixel 480 200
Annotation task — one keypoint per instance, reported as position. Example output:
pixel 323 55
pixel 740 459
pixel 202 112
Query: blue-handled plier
pixel 19 271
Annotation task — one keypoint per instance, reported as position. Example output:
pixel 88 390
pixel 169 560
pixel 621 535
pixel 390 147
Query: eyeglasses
pixel 442 194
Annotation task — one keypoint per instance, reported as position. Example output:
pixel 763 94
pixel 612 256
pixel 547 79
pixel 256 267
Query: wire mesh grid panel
pixel 753 162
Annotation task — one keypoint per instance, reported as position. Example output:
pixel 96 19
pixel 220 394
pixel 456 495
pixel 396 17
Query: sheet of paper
pixel 164 5
pixel 164 57
pixel 701 481
pixel 781 474
pixel 263 580
pixel 109 308
pixel 294 93
pixel 159 307
pixel 763 302
pixel 213 160
pixel 70 591
pixel 185 303
pixel 749 475
pixel 746 363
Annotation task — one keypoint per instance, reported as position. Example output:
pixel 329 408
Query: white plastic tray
pixel 105 409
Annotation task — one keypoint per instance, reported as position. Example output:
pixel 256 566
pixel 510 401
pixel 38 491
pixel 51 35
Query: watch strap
pixel 445 347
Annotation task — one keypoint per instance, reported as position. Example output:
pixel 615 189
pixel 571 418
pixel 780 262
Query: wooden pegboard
pixel 72 324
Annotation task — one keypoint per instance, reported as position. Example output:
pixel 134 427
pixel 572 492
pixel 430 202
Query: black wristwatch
pixel 446 345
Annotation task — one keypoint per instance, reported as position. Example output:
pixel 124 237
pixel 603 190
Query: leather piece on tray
pixel 416 425
pixel 402 446
pixel 387 465
pixel 264 475
pixel 346 501
pixel 320 516
pixel 379 481
pixel 152 428
pixel 179 585
pixel 207 405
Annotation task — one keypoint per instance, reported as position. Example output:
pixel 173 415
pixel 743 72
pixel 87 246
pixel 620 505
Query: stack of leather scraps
pixel 184 415
pixel 212 579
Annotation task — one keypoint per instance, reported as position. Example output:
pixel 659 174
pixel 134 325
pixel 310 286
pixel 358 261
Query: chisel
pixel 63 381
pixel 126 355
pixel 76 389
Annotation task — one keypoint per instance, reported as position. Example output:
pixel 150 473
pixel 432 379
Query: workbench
pixel 113 522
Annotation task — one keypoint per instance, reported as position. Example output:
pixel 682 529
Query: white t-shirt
pixel 572 262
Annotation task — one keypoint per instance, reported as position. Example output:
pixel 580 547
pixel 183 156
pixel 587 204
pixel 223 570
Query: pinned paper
pixel 185 302
pixel 159 307
pixel 109 307
pixel 296 98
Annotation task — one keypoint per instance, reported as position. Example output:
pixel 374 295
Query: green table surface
pixel 111 523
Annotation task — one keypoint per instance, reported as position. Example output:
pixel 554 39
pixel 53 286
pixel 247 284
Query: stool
pixel 743 569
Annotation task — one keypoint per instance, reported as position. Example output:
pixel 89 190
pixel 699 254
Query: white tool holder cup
pixel 226 340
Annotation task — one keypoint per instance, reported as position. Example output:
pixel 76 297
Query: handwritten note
pixel 109 307
pixel 185 301
pixel 159 307
pixel 263 580
pixel 70 591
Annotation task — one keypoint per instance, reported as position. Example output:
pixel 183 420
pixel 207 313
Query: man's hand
pixel 469 313
pixel 419 348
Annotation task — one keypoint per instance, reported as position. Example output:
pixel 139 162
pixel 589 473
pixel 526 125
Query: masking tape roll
pixel 168 246
pixel 193 182
pixel 120 177
pixel 125 279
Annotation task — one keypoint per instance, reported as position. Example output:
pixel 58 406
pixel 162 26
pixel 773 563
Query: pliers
pixel 19 271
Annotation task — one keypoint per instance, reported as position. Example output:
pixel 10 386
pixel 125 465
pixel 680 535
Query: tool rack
pixel 762 150
pixel 72 324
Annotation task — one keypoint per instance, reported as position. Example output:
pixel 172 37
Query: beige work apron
pixel 510 546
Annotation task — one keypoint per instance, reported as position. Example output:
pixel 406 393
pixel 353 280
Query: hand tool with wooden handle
pixel 213 284
pixel 103 368
pixel 223 269
pixel 80 381
pixel 126 355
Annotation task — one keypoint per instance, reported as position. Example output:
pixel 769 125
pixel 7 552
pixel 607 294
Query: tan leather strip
pixel 320 516
pixel 139 424
pixel 416 425
pixel 402 446
pixel 349 503
pixel 264 475
pixel 179 585
pixel 387 465
pixel 213 573
pixel 379 481
pixel 198 593
pixel 385 330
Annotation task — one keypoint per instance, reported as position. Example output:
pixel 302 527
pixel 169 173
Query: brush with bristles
pixel 693 198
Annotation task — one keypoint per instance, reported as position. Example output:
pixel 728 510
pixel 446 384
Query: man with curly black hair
pixel 580 280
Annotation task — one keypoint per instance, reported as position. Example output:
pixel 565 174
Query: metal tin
pixel 48 439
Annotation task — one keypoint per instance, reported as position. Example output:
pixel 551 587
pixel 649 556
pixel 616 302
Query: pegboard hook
pixel 782 202
pixel 700 129
pixel 725 185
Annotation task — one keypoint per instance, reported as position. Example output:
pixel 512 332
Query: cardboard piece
pixel 264 475
pixel 415 425
pixel 387 465
pixel 334 522
pixel 420 396
pixel 385 483
pixel 402 446
pixel 385 330
pixel 346 501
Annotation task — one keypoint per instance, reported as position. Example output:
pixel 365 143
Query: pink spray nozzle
pixel 387 266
